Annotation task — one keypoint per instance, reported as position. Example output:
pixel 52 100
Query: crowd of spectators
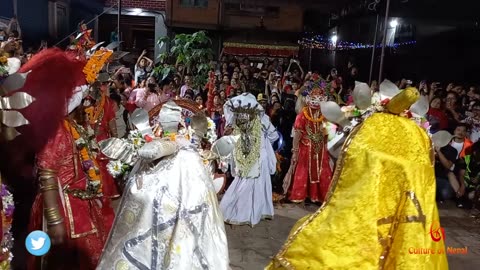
pixel 454 107
pixel 12 44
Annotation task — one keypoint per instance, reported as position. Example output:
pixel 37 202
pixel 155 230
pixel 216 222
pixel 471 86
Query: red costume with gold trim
pixel 310 173
pixel 87 221
pixel 313 173
pixel 53 76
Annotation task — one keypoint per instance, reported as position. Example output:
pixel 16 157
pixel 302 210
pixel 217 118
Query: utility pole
pixel 15 8
pixel 385 25
pixel 118 23
pixel 372 61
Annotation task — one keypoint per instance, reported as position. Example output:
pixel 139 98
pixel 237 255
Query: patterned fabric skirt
pixel 82 253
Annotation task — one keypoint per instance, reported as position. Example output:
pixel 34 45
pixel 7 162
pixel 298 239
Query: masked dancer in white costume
pixel 248 200
pixel 169 216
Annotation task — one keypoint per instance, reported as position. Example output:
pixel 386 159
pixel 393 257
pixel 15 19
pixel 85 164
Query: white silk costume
pixel 169 216
pixel 248 199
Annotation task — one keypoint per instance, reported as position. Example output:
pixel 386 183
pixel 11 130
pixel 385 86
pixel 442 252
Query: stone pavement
pixel 252 248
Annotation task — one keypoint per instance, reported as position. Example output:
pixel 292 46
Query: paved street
pixel 251 249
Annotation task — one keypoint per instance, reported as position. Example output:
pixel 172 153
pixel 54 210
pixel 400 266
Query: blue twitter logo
pixel 38 243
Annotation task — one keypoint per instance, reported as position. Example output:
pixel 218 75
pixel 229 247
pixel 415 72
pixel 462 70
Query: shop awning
pixel 248 49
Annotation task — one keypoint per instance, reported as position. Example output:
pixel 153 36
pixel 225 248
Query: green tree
pixel 193 51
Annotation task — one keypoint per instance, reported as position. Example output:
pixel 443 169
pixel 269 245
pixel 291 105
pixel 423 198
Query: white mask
pixel 76 99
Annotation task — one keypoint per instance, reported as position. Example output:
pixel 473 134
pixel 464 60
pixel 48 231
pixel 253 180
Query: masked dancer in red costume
pixel 100 114
pixel 310 173
pixel 101 118
pixel 70 205
pixel 41 95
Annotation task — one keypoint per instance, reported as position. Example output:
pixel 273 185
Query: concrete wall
pixel 289 19
pixel 194 17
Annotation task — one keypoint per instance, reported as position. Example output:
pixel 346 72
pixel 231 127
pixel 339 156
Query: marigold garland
pixel 95 64
pixel 94 112
pixel 89 162
pixel 309 118
pixel 3 60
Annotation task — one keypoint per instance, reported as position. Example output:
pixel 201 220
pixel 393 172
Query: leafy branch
pixel 192 51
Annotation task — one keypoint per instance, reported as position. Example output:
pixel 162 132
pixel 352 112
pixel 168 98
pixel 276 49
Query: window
pixel 250 9
pixel 194 3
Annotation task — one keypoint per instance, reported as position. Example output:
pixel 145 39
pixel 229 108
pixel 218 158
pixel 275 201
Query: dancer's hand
pixel 57 233
pixel 294 158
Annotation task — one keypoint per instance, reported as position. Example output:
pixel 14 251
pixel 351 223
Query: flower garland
pixel 95 64
pixel 117 168
pixel 3 66
pixel 95 113
pixel 89 162
pixel 7 218
pixel 246 162
pixel 211 135
pixel 309 118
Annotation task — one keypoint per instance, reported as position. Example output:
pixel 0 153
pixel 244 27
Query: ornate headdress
pixel 407 103
pixel 245 112
pixel 319 88
pixel 245 105
pixel 11 81
pixel 52 78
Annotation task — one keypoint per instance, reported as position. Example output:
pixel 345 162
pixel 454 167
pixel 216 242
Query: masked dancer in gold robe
pixel 380 209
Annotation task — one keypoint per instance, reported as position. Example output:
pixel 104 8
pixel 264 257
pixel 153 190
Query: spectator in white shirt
pixel 142 67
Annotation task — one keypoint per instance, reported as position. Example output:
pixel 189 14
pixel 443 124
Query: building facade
pixel 247 23
pixel 142 23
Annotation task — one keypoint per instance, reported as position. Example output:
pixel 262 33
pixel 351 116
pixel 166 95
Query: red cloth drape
pixel 258 50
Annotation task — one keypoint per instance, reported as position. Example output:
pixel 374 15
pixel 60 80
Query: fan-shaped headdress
pixel 319 88
pixel 11 81
pixel 406 103
pixel 42 96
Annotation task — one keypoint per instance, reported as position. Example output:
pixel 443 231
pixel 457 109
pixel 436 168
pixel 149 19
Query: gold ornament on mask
pixel 403 101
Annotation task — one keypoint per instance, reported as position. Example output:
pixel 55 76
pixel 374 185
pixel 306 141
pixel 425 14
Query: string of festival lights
pixel 319 42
